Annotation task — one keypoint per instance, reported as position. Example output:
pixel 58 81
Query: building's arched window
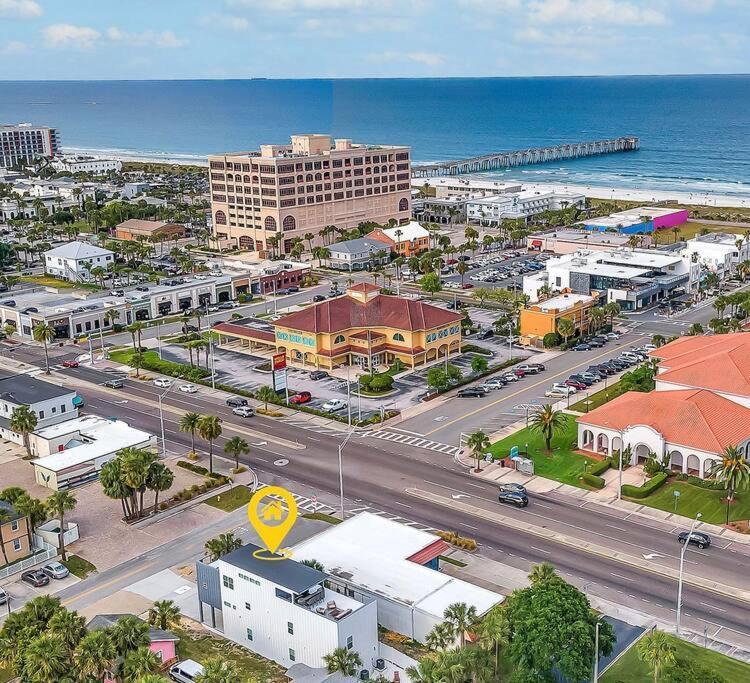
pixel 403 205
pixel 340 339
pixel 398 337
pixel 289 223
pixel 309 177
pixel 318 176
pixel 220 218
pixel 230 176
pixel 270 223
pixel 246 179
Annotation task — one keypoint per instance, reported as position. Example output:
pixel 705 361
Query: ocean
pixel 694 130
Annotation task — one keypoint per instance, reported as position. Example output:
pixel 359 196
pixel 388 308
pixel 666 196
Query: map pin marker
pixel 272 511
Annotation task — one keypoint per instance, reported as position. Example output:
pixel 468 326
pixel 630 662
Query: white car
pixel 244 411
pixel 188 389
pixel 563 389
pixel 333 405
pixel 162 382
pixel 510 377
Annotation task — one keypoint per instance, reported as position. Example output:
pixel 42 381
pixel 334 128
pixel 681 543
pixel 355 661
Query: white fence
pixel 47 553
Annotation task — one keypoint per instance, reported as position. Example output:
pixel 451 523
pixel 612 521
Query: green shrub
pixel 550 340
pixel 593 480
pixel 647 489
pixel 600 467
pixel 381 382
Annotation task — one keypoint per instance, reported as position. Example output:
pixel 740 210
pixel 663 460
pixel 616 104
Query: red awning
pixel 430 552
pixel 536 243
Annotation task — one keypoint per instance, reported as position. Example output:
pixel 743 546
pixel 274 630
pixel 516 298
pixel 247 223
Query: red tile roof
pixel 694 418
pixel 364 287
pixel 345 312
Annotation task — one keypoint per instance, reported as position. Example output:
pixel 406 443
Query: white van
pixel 186 671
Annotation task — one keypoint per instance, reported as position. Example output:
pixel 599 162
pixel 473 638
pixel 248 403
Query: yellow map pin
pixel 272 511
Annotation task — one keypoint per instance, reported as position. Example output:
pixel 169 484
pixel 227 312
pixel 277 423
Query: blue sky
pixel 136 39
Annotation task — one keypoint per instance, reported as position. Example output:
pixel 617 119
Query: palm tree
pixel 426 671
pixel 461 617
pixel 265 394
pixel 314 564
pixel 441 637
pixel 222 545
pixel 462 269
pixel 612 309
pixel 190 422
pixel 135 330
pixel 164 615
pixel 494 632
pixel 478 442
pixel 720 305
pixel 342 661
pixel 45 659
pixel 237 446
pixel 23 421
pixel 44 334
pixel 34 511
pixel 68 626
pixel 95 654
pixel 159 479
pixel 657 651
pixel 566 328
pixel 218 670
pixel 209 427
pixel 734 471
pixel 140 662
pixel 658 340
pixel 58 504
pixel 547 420
pixel 542 573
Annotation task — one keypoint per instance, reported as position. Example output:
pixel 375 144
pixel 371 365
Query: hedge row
pixel 197 469
pixel 600 467
pixel 647 489
pixel 712 484
pixel 593 480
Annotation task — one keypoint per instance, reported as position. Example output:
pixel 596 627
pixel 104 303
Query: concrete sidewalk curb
pixel 591 548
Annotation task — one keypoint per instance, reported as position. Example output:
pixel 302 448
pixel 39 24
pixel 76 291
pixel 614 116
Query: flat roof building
pixel 25 142
pixel 135 227
pixel 569 241
pixel 643 219
pixel 544 318
pixel 718 252
pixel 286 191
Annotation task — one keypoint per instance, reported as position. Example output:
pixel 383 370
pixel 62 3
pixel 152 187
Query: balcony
pixel 327 603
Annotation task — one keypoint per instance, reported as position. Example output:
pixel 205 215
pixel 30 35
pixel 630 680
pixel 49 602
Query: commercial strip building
pixel 24 143
pixel 569 241
pixel 72 453
pixel 287 191
pixel 74 261
pixel 368 558
pixel 718 252
pixel 701 405
pixel 363 328
pixel 644 219
pixel 86 164
pixel 135 228
pixel 543 318
pixel 634 278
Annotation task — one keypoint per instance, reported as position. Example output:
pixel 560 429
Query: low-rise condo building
pixel 86 164
pixel 718 252
pixel 287 191
pixel 74 261
pixel 358 254
pixel 135 228
pixel 544 318
pixel 494 209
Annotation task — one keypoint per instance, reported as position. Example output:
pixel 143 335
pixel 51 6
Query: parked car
pixel 318 297
pixel 494 383
pixel 519 373
pixel 318 374
pixel 116 383
pixel 300 398
pixel 225 306
pixel 578 377
pixel 244 411
pixel 236 401
pixel 472 392
pixel 613 336
pixel 595 343
pixel 467 285
pixel 582 347
pixel 117 292
pixel 162 382
pixel 486 334
pixel 186 671
pixel 35 577
pixel 188 389
pixel 510 377
pixel 334 405
pixel 520 500
pixel 3 597
pixel 563 388
pixel 293 289
pixel 575 384
pixel 282 292
pixel 538 366
pixel 70 363
pixel 512 487
pixel 527 369
pixel 55 570
pixel 696 538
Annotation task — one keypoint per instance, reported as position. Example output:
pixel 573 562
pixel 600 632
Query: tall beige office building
pixel 289 191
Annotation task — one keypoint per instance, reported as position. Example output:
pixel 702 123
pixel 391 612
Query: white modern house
pixel 86 164
pixel 51 403
pixel 492 210
pixel 74 261
pixel 718 252
pixel 371 558
pixel 72 453
pixel 283 610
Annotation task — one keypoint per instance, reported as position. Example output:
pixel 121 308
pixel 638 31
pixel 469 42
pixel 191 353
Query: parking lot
pixel 495 269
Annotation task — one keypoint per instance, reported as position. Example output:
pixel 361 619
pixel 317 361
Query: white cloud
pixel 492 5
pixel 161 39
pixel 593 12
pixel 20 9
pixel 697 6
pixel 14 47
pixel 424 58
pixel 299 5
pixel 230 22
pixel 68 35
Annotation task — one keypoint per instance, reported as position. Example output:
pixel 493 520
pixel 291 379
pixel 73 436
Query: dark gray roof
pixel 22 389
pixel 358 245
pixel 292 575
pixel 102 621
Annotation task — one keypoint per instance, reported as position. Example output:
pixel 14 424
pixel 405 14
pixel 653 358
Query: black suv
pixel 520 500
pixel 696 538
pixel 236 401
pixel 471 392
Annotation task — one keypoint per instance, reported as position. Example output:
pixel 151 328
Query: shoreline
pixel 645 195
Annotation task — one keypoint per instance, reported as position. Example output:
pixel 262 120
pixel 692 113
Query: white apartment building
pixel 634 278
pixel 51 403
pixel 74 261
pixel 24 142
pixel 461 187
pixel 86 164
pixel 492 210
pixel 283 611
pixel 718 252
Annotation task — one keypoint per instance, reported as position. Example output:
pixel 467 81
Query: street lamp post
pixel 161 422
pixel 595 678
pixel 682 566
pixel 341 472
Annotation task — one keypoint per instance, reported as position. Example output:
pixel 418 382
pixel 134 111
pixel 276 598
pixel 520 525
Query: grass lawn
pixel 562 464
pixel 231 500
pixel 691 229
pixel 200 646
pixel 5 675
pixel 78 566
pixel 694 499
pixel 48 281
pixel 322 517
pixel 599 398
pixel 630 669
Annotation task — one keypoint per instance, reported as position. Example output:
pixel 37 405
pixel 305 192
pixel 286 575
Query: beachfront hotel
pixel 288 191
pixel 24 143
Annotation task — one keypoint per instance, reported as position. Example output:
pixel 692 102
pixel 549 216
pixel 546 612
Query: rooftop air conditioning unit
pixel 364 675
pixel 380 663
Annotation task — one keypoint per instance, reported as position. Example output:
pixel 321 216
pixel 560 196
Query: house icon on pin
pixel 272 511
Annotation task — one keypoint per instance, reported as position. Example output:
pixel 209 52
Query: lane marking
pixel 624 578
